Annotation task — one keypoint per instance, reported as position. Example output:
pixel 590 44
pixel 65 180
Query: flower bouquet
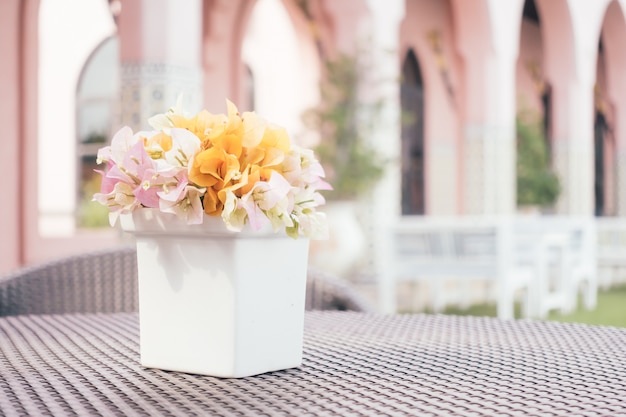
pixel 237 166
pixel 215 299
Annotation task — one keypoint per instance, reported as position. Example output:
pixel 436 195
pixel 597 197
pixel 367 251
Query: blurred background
pixel 418 109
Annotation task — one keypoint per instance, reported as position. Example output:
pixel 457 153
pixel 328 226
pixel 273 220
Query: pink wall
pixel 344 24
pixel 35 247
pixel 153 32
pixel 21 243
pixel 467 46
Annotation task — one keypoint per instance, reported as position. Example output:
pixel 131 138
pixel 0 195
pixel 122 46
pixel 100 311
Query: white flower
pixel 265 197
pixel 120 145
pixel 163 122
pixel 234 215
pixel 120 200
pixel 184 202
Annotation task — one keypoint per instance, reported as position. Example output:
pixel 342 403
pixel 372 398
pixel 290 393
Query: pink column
pixel 488 41
pixel 349 24
pixel 18 109
pixel 570 67
pixel 224 27
pixel 10 80
pixel 160 58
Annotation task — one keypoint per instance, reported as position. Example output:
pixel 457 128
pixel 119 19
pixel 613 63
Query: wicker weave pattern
pixel 106 282
pixel 355 364
pixel 102 281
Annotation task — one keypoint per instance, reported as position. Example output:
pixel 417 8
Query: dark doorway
pixel 601 129
pixel 412 101
pixel 546 101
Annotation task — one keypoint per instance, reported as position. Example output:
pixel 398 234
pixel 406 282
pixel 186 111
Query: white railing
pixel 542 261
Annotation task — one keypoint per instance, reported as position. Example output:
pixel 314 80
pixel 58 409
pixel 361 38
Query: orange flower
pixel 229 140
pixel 214 167
pixel 201 125
pixel 257 173
pixel 212 204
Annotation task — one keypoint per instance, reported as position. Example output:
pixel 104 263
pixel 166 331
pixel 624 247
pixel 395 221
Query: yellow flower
pixel 270 151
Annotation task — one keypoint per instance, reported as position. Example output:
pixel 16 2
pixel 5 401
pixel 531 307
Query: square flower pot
pixel 216 302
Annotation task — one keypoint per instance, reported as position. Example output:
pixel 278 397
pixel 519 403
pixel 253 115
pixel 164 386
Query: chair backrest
pixel 105 281
pixel 442 246
pixel 611 239
pixel 579 233
pixel 327 292
pixel 102 281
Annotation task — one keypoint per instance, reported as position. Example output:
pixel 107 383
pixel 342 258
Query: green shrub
pixel 537 184
pixel 344 121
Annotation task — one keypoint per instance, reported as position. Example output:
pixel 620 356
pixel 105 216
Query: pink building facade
pixel 463 69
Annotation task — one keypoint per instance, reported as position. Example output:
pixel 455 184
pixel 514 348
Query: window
pixel 96 103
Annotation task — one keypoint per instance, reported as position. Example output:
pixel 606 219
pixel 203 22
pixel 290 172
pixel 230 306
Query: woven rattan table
pixel 354 364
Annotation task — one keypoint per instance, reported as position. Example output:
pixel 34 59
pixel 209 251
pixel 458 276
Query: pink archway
pixel 427 30
pixel 613 38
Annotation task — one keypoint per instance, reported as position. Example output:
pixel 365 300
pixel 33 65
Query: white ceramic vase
pixel 216 302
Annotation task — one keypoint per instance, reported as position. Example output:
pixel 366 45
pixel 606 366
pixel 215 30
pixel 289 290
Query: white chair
pixel 565 261
pixel 549 259
pixel 583 263
pixel 611 250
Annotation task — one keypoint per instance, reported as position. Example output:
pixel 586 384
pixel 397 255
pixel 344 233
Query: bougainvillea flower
pixel 122 141
pixel 214 166
pixel 237 166
pixel 119 200
pixel 263 197
pixel 234 214
pixel 172 152
pixel 164 122
pixel 253 129
pixel 213 206
pixel 183 200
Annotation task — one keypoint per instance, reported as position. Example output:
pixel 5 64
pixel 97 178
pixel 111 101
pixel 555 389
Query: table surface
pixel 354 364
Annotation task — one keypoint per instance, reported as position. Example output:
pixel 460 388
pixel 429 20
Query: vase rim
pixel 147 221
